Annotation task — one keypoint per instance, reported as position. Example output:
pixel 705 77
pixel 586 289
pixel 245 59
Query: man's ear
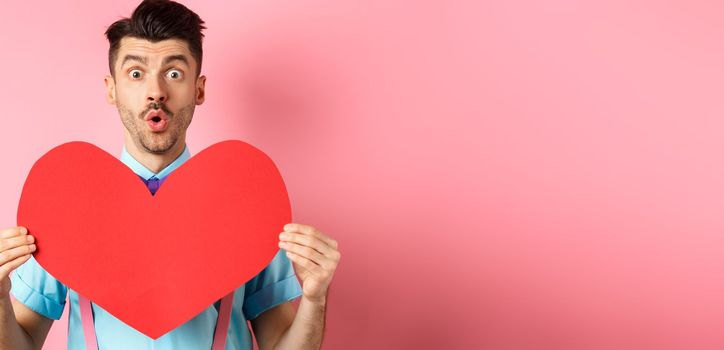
pixel 110 89
pixel 200 89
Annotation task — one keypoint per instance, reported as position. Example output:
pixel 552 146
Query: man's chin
pixel 157 147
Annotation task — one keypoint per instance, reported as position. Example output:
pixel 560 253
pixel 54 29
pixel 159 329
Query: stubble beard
pixel 149 141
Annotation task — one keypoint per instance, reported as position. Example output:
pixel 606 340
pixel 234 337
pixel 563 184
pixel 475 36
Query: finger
pixel 13 231
pixel 309 230
pixel 310 254
pixel 9 243
pixel 303 262
pixel 5 269
pixel 306 240
pixel 10 255
pixel 301 250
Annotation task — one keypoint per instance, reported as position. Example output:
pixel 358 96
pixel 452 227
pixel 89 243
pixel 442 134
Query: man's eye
pixel 135 74
pixel 174 74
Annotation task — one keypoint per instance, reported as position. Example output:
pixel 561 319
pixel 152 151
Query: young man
pixel 155 63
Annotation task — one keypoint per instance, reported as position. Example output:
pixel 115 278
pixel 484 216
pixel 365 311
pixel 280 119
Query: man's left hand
pixel 315 258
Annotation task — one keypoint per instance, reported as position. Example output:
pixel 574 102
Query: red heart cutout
pixel 154 262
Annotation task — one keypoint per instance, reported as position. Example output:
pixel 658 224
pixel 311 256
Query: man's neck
pixel 155 161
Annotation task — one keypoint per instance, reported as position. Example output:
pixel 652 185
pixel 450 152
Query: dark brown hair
pixel 156 20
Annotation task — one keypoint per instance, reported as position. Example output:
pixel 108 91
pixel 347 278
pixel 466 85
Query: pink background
pixel 500 175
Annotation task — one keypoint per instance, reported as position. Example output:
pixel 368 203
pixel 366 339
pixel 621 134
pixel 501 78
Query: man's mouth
pixel 155 115
pixel 156 120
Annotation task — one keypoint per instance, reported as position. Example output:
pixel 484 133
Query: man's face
pixel 155 90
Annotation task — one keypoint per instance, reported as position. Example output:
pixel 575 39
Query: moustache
pixel 154 105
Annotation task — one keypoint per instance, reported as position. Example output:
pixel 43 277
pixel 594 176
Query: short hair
pixel 156 20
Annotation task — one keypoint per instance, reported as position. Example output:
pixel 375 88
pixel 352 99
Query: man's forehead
pixel 143 47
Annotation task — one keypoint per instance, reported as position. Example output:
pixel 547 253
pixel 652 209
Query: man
pixel 155 63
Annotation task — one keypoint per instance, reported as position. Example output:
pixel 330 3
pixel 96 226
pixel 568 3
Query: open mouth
pixel 157 120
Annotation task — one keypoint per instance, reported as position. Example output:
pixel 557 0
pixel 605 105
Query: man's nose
pixel 156 91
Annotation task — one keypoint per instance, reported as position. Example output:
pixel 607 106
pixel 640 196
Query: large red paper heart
pixel 154 262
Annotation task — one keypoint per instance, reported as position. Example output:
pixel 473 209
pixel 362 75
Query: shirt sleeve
pixel 38 290
pixel 274 285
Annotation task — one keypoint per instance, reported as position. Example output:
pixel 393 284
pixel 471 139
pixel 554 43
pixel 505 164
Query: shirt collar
pixel 146 174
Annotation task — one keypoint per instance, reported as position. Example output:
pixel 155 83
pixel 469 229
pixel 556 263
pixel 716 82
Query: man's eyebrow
pixel 133 58
pixel 172 58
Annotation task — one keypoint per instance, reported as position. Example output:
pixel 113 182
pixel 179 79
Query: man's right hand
pixel 16 246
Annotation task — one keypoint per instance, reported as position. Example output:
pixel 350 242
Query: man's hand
pixel 22 328
pixel 315 258
pixel 16 246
